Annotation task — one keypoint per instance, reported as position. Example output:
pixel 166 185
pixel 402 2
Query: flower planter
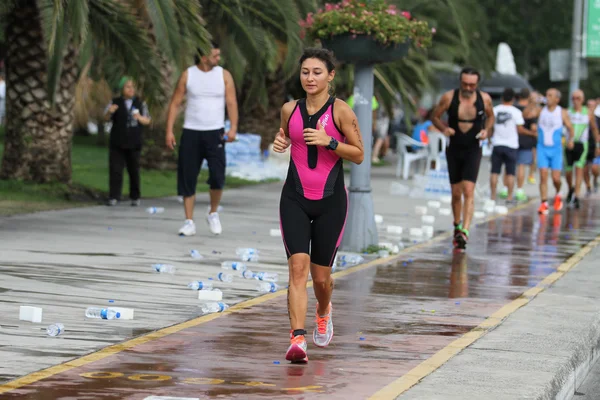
pixel 363 49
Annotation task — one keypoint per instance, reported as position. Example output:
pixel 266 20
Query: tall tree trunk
pixel 155 154
pixel 38 136
pixel 254 118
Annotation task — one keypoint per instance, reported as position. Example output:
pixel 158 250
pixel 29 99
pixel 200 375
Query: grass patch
pixel 90 183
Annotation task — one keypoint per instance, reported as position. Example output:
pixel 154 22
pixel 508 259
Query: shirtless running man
pixel 470 120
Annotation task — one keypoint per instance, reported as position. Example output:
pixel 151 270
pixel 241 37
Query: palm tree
pixel 44 40
pixel 48 41
pixel 261 45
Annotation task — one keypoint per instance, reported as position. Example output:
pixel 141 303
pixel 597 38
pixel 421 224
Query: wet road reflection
pixel 387 320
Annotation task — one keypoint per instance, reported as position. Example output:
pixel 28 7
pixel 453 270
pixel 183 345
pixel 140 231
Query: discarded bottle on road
pixel 164 268
pixel 155 210
pixel 234 265
pixel 267 287
pixel 196 254
pixel 351 259
pixel 223 277
pixel 247 274
pixel 102 313
pixel 216 307
pixel 247 254
pixel 199 285
pixel 267 276
pixel 55 329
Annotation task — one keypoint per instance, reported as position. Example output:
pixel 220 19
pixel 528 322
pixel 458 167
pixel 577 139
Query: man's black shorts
pixel 194 148
pixel 463 163
pixel 504 155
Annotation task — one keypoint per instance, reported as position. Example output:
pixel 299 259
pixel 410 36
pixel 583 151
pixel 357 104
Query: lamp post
pixel 361 230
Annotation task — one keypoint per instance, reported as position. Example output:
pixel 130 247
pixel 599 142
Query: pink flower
pixel 309 19
pixel 328 7
pixel 392 7
pixel 353 36
pixel 391 11
pixel 345 3
pixel 406 14
pixel 433 30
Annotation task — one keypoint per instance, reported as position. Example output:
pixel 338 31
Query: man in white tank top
pixel 208 89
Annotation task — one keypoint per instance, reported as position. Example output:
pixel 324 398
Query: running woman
pixel 582 119
pixel 549 147
pixel 470 120
pixel 321 131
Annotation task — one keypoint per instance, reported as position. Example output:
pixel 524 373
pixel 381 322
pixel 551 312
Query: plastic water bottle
pixel 223 277
pixel 55 329
pixel 267 287
pixel 195 254
pixel 199 285
pixel 267 276
pixel 247 274
pixel 155 210
pixel 234 265
pixel 351 259
pixel 102 313
pixel 164 268
pixel 247 254
pixel 217 307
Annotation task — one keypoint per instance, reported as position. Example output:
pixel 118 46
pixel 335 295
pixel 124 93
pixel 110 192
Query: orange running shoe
pixel 558 203
pixel 544 209
pixel 323 332
pixel 296 353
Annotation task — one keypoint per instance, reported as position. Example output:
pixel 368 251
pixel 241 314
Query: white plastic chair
pixel 437 149
pixel 406 158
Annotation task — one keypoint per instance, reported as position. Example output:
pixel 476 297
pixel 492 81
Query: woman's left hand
pixel 316 137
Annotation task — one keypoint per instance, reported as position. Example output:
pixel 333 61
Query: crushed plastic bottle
pixel 267 287
pixel 55 329
pixel 247 274
pixel 102 313
pixel 223 277
pixel 199 285
pixel 196 254
pixel 247 254
pixel 215 307
pixel 350 259
pixel 267 276
pixel 155 210
pixel 164 268
pixel 234 265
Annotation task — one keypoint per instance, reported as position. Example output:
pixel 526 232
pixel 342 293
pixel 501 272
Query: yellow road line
pixel 414 376
pixel 117 348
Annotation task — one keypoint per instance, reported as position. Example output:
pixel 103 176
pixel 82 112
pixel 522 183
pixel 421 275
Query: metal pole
pixel 361 230
pixel 576 48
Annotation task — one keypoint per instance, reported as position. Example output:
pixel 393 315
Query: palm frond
pixel 116 28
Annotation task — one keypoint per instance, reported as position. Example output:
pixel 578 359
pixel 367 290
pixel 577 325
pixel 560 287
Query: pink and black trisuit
pixel 314 203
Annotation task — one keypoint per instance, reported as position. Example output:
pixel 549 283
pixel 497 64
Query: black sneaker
pixel 576 204
pixel 461 239
pixel 569 196
pixel 457 230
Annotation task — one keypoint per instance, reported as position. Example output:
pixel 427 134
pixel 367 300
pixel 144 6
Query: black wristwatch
pixel 333 144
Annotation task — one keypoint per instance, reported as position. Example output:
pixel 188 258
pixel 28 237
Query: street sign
pixel 560 64
pixel 591 42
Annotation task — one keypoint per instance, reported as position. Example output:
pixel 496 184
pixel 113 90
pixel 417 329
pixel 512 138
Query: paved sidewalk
pixel 64 261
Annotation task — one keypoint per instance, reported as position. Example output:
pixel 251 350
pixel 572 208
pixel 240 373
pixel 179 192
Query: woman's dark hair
pixel 321 54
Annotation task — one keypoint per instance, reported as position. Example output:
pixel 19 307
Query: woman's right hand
pixel 281 142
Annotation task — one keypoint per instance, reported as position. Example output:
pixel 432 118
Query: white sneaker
pixel 135 203
pixel 214 223
pixel 188 229
pixel 112 202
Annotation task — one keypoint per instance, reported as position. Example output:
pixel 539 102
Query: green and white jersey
pixel 581 124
